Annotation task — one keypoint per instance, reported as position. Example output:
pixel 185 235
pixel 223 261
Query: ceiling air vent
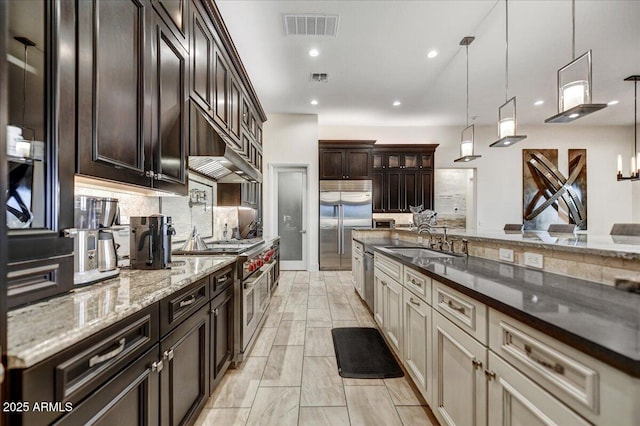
pixel 305 24
pixel 319 77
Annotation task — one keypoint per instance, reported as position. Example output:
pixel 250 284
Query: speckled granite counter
pixel 36 332
pixel 596 319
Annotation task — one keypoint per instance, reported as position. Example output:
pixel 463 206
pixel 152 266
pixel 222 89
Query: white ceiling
pixel 380 55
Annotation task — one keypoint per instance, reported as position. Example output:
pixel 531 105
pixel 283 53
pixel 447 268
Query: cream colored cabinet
pixel 459 384
pixel 516 400
pixel 417 341
pixel 380 280
pixel 357 268
pixel 393 324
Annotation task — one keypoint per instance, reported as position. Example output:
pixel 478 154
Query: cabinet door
pixel 394 161
pixel 459 385
pixel 130 398
pixel 170 137
pixel 221 88
pixel 426 161
pixel 332 164
pixel 201 61
pixel 417 341
pixel 378 162
pixel 426 189
pixel 516 400
pixel 175 13
pixel 114 138
pixel 235 105
pixel 394 191
pixel 412 193
pixel 393 315
pixel 184 382
pixel 411 161
pixel 379 283
pixel 358 162
pixel 379 196
pixel 221 336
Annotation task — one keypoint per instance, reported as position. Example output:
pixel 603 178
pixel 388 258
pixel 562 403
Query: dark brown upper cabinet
pixel 114 138
pixel 170 127
pixel 235 105
pixel 346 160
pixel 221 89
pixel 201 61
pixel 175 13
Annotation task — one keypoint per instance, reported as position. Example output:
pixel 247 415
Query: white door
pixel 291 213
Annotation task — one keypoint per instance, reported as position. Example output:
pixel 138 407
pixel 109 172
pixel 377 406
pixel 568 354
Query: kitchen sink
pixel 418 252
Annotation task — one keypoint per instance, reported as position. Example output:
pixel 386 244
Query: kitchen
pixel 238 136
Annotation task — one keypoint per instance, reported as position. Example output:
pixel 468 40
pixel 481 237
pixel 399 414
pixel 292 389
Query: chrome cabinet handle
pixel 558 368
pixel 187 302
pixel 97 359
pixel 414 302
pixel 455 307
pixel 222 279
pixel 157 366
pixel 168 355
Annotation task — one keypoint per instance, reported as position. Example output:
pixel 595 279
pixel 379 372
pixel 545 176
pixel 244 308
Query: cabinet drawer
pixel 221 279
pixel 462 310
pixel 595 390
pixel 358 248
pixel 418 284
pixel 77 372
pixel 390 267
pixel 177 307
pixel 38 279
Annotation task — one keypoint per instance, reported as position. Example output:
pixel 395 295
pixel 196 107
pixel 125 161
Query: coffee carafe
pixel 150 241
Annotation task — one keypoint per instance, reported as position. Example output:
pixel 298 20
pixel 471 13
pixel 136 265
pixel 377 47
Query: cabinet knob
pixel 168 355
pixel 490 374
pixel 156 367
pixel 477 364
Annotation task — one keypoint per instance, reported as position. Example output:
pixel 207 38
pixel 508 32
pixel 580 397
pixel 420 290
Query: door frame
pixel 3 186
pixel 274 169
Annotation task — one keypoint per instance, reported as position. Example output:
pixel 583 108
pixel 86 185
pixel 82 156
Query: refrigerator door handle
pixel 341 229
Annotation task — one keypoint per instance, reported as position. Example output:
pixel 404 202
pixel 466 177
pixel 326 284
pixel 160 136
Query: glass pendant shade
pixel 507 125
pixel 466 145
pixel 575 91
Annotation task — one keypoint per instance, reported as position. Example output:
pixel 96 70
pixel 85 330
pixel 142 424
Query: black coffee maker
pixel 150 242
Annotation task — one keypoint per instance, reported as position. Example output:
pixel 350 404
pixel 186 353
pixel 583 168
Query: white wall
pixel 499 171
pixel 292 139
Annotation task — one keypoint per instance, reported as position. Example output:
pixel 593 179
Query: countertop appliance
pixel 368 279
pixel 150 241
pixel 345 205
pixel 384 223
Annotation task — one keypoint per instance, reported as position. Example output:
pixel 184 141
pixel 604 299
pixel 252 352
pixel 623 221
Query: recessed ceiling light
pixel 314 52
pixel 314 102
pixel 396 103
pixel 432 54
pixel 614 102
pixel 507 142
pixel 538 103
pixel 575 115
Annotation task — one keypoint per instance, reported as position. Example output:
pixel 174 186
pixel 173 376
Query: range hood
pixel 212 156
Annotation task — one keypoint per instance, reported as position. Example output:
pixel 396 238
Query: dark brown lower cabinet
pixel 130 398
pixel 184 380
pixel 221 336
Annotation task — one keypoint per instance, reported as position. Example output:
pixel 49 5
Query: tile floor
pixel 291 377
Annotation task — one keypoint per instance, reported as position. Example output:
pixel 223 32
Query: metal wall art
pixel 548 196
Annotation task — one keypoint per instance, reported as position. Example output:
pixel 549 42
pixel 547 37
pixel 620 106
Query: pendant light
pixel 507 123
pixel 574 84
pixel 634 172
pixel 468 133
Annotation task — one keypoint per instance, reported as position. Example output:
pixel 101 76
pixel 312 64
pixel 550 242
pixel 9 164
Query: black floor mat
pixel 363 354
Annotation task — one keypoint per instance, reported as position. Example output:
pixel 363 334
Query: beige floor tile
pixel 239 386
pixel 319 318
pixel 223 416
pixel 362 382
pixel 416 416
pixel 321 383
pixel 318 302
pixel 298 297
pixel 317 288
pixel 368 322
pixel 273 319
pixel 294 313
pixel 327 274
pixel 336 297
pixel 323 416
pixel 301 277
pixel 338 324
pixel 341 312
pixel 275 406
pixel 370 405
pixel 284 367
pixel 290 333
pixel 264 341
pixel 318 342
pixel 277 303
pixel 402 393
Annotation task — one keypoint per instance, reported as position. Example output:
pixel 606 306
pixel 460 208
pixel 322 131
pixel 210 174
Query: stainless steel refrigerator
pixel 345 205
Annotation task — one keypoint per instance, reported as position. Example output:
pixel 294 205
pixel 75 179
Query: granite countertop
pixel 596 319
pixel 36 332
pixel 601 245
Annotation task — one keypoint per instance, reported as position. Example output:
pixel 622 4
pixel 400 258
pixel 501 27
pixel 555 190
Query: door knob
pixel 304 231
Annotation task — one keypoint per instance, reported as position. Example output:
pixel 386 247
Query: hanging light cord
pixel 467 85
pixel 506 61
pixel 573 29
pixel 635 119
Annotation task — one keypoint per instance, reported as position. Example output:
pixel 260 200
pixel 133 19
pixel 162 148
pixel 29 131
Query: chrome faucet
pixel 425 228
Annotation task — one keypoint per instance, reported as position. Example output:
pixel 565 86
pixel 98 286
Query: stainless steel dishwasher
pixel 368 279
